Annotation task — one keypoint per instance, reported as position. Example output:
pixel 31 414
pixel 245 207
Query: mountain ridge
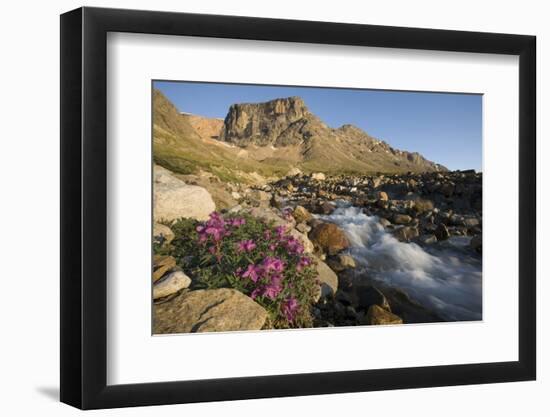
pixel 275 136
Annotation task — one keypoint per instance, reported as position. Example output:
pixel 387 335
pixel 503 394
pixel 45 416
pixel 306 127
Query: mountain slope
pixel 270 138
pixel 287 121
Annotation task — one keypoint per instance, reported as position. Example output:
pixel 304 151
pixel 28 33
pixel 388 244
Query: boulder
pixel 327 208
pixel 259 196
pixel 341 262
pixel 174 199
pixel 219 310
pixel 303 228
pixel 161 265
pixel 301 215
pixel 329 238
pixel 162 233
pixel 364 296
pixel 428 239
pixel 402 219
pixel 170 284
pixel 327 278
pixel 405 233
pixel 382 196
pixel 384 222
pixel 377 315
pixel 423 206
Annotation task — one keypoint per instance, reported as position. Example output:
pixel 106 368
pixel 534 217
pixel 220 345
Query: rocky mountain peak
pixel 275 122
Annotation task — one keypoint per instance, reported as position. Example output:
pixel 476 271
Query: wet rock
pixel 341 262
pixel 429 239
pixel 219 310
pixel 376 315
pixel 384 222
pixel 441 232
pixel 476 243
pixel 405 233
pixel 408 309
pixel 402 219
pixel 329 238
pixel 344 297
pixel 364 296
pixel 327 208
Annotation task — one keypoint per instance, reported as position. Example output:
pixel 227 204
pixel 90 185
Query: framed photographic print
pixel 258 208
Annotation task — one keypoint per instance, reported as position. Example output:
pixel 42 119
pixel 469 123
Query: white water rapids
pixel 444 277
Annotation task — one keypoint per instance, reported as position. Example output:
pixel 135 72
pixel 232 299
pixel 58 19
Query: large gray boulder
pixel 220 310
pixel 174 198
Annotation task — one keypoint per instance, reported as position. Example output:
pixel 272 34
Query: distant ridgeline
pixel 271 138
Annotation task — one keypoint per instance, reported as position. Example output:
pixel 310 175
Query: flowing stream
pixel 445 277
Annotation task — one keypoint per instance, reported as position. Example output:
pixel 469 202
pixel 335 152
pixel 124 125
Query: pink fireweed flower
pixel 290 308
pixel 267 234
pixel 252 272
pixel 272 247
pixel 302 263
pixel 256 293
pixel 294 246
pixel 216 232
pixel 246 246
pixel 280 231
pixel 237 221
pixel 274 264
pixel 271 291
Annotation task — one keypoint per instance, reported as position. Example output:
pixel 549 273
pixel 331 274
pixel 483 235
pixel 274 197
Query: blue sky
pixel 445 128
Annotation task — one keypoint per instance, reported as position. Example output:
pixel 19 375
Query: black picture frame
pixel 84 207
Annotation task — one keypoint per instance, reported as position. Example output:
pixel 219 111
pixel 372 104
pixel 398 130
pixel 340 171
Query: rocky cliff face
pixel 279 122
pixel 288 122
pixel 206 128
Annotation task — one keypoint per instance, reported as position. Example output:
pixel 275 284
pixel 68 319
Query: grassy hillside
pixel 179 147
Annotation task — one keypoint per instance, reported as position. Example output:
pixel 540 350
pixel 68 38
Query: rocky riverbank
pixel 369 239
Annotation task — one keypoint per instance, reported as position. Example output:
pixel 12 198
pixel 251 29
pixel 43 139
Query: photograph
pixel 292 207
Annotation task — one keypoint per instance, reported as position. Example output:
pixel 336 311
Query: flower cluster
pixel 215 229
pixel 264 261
